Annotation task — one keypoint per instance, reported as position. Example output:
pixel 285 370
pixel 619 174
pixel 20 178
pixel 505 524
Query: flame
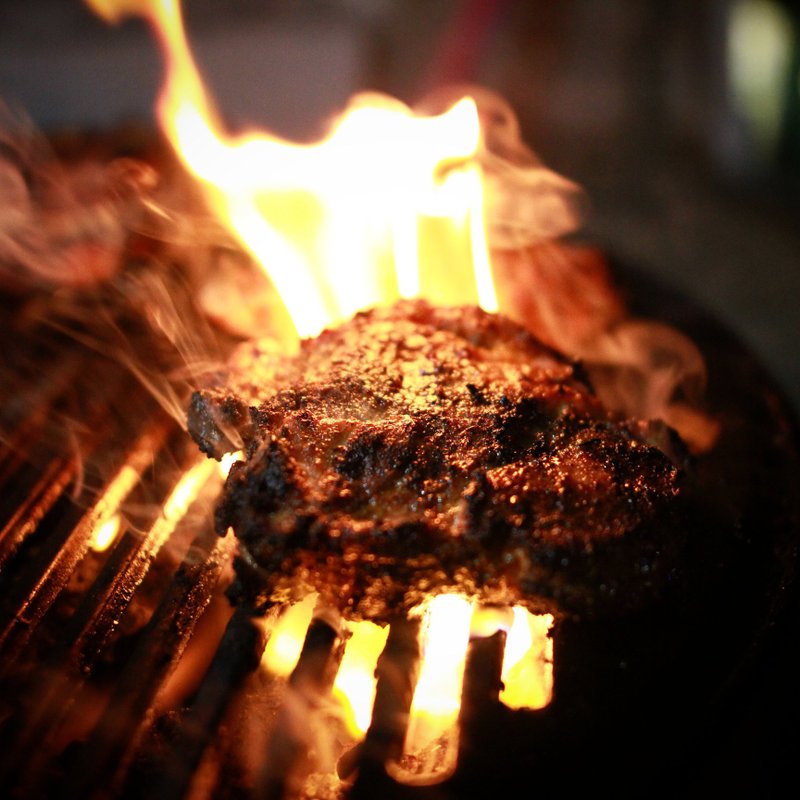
pixel 388 205
pixel 107 520
pixel 437 697
pixel 105 533
pixel 227 461
pixel 354 685
pixel 448 623
pixel 284 645
pixel 527 673
pixel 528 661
pixel 355 681
pixel 185 492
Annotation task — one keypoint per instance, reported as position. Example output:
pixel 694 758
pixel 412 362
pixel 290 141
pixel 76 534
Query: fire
pixel 528 661
pixel 108 521
pixel 389 205
pixel 355 680
pixel 434 709
pixel 286 641
pixel 364 217
pixel 448 623
pixel 105 533
pixel 185 492
pixel 227 461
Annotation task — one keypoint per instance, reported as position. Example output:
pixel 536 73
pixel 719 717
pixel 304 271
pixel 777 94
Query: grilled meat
pixel 417 450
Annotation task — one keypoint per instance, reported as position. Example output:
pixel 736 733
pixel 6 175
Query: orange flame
pixel 105 533
pixel 286 640
pixel 448 623
pixel 353 221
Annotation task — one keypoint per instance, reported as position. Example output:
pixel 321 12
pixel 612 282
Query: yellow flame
pixel 186 491
pixel 448 622
pixel 345 223
pixel 286 641
pixel 105 533
pixel 437 697
pixel 528 661
pixel 108 522
pixel 355 681
pixel 227 461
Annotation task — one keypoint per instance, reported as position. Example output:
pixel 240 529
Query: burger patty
pixel 416 450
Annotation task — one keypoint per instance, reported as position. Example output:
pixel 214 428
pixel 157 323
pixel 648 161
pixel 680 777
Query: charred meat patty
pixel 416 450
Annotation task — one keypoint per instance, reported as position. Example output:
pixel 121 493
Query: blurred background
pixel 681 119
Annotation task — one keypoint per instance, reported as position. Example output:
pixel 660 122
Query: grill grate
pixel 125 672
pixel 92 642
pixel 88 639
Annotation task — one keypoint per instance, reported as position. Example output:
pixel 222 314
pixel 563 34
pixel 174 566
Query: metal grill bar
pixel 397 677
pixel 110 749
pixel 104 605
pixel 55 571
pixel 36 500
pixel 238 655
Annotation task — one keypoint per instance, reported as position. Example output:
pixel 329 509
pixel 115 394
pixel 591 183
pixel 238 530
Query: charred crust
pixel 476 394
pixel 218 421
pixel 361 456
pixel 418 450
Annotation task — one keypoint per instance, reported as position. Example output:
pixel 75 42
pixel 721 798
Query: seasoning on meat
pixel 416 450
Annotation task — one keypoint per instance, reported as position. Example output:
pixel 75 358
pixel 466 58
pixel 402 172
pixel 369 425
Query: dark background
pixel 680 118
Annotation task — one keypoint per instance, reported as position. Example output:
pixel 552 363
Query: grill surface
pixel 125 671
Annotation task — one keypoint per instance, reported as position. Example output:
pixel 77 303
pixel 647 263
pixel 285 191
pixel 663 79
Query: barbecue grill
pixel 124 670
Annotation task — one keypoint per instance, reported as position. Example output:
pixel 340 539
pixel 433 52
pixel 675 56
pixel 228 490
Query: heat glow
pixel 448 622
pixel 367 215
pixel 437 697
pixel 388 205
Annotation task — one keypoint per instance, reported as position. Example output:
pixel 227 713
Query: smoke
pixel 565 295
pixel 639 367
pixel 62 224
pixel 101 267
pixel 525 202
